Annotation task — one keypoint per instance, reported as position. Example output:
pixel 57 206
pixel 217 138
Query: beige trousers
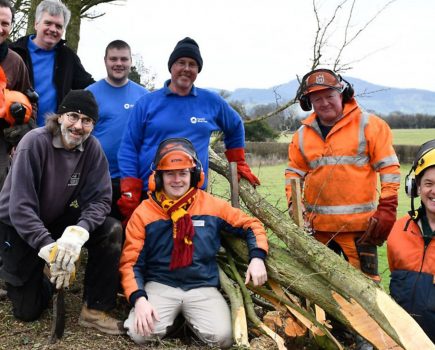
pixel 204 309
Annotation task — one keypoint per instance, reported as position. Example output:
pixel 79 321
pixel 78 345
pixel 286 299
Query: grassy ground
pixel 34 335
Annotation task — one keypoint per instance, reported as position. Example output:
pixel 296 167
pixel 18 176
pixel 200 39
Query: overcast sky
pixel 260 44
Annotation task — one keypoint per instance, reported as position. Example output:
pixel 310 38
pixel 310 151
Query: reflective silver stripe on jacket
pixel 390 178
pixel 297 171
pixel 341 209
pixel 360 159
pixel 387 161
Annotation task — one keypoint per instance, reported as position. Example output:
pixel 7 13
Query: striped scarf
pixel 182 227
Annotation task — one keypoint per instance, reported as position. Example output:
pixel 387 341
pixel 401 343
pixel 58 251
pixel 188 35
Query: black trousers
pixel 29 289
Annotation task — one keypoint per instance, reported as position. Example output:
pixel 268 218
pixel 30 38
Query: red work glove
pixel 381 223
pixel 243 170
pixel 131 192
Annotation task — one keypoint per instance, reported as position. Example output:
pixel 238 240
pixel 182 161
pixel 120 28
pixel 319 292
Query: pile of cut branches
pixel 301 272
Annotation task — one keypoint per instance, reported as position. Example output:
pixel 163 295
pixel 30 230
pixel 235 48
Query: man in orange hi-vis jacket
pixel 338 152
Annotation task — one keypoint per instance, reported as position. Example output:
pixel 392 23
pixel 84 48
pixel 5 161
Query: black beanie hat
pixel 80 101
pixel 186 48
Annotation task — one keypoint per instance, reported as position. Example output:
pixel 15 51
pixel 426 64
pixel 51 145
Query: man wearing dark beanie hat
pixel 55 200
pixel 179 109
pixel 186 47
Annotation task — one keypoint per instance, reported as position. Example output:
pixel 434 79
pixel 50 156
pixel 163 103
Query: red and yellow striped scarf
pixel 182 227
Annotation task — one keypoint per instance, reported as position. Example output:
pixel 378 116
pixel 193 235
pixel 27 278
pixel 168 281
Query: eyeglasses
pixel 75 117
pixel 188 65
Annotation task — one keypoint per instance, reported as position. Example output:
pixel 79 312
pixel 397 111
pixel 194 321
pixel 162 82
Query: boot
pixel 100 320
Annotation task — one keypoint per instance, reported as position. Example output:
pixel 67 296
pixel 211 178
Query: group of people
pixel 121 171
pixel 99 149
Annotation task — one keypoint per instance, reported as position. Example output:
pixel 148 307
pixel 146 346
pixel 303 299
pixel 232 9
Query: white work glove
pixel 48 253
pixel 60 277
pixel 69 246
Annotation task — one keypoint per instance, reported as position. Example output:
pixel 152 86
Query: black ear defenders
pixel 302 95
pixel 411 189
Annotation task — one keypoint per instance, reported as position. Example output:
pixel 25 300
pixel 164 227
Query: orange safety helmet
pixel 175 154
pixel 322 79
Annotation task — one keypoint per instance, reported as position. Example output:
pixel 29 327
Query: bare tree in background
pixel 336 33
pixel 25 17
pixel 334 36
pixel 146 77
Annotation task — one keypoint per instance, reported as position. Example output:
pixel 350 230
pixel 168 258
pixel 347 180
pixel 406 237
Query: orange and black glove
pixel 131 192
pixel 381 223
pixel 243 170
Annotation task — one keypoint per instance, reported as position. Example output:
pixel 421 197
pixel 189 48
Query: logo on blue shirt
pixel 195 120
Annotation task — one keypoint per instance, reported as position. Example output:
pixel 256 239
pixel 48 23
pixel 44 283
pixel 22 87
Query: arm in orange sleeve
pixel 383 158
pixel 134 242
pixel 240 224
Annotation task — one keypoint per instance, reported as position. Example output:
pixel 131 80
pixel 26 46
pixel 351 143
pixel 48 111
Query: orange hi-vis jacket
pixel 339 172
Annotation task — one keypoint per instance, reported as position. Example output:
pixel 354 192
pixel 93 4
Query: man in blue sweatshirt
pixel 179 109
pixel 116 96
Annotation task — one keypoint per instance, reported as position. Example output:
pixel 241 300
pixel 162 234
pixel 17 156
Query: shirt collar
pixel 168 91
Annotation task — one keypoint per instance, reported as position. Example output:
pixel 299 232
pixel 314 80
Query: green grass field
pixel 272 188
pixel 400 136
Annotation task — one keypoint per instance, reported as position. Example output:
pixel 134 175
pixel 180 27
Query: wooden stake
pixel 297 202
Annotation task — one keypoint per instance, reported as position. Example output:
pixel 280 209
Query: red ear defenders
pixel 302 95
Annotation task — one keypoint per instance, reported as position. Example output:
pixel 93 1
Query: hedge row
pixel 278 151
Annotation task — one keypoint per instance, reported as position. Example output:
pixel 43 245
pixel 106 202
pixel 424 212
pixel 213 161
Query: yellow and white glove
pixel 68 247
pixel 60 277
pixel 48 253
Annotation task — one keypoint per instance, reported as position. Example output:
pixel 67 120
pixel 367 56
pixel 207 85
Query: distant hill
pixel 379 99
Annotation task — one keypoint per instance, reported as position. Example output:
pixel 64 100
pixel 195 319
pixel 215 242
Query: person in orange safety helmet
pixel 168 264
pixel 338 152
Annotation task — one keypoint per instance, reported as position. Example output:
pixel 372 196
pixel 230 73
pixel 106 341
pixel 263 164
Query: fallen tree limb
pixel 238 315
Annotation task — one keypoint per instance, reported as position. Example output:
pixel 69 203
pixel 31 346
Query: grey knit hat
pixel 186 48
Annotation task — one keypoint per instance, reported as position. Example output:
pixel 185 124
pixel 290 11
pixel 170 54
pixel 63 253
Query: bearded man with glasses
pixel 56 199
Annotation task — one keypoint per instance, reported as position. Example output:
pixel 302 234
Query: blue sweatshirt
pixel 114 104
pixel 163 114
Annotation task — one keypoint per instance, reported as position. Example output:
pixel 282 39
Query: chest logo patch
pixel 74 180
pixel 198 223
pixel 196 120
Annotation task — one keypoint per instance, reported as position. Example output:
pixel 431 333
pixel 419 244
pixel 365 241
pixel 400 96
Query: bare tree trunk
pixel 31 17
pixel 315 272
pixel 72 34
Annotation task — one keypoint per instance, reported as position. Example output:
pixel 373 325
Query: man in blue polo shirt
pixel 116 96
